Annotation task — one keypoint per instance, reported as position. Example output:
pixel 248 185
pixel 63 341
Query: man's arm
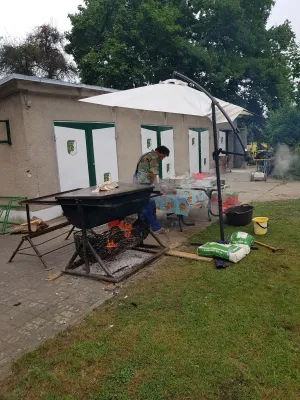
pixel 152 177
pixel 153 169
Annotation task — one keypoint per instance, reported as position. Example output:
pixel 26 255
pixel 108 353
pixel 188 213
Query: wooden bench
pixel 6 205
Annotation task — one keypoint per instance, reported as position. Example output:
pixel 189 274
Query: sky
pixel 287 9
pixel 18 17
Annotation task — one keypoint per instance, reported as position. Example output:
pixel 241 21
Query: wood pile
pixel 36 225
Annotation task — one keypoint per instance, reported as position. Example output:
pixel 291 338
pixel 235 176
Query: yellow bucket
pixel 260 225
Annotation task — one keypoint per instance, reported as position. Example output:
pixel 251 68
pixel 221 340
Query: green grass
pixel 185 331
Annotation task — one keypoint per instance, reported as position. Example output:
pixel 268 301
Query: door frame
pixel 158 130
pixel 88 127
pixel 199 130
pixel 8 134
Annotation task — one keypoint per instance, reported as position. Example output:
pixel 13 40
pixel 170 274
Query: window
pixel 5 132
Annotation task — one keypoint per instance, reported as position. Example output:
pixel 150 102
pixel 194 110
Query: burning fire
pixel 111 244
pixel 126 228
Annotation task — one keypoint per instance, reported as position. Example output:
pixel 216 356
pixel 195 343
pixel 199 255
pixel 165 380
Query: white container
pixel 177 181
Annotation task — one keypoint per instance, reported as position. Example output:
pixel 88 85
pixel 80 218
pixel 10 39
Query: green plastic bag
pixel 228 252
pixel 242 239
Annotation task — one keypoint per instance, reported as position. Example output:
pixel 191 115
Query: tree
pixel 17 57
pixel 124 44
pixel 41 53
pixel 282 131
pixel 252 65
pixel 224 45
pixel 283 126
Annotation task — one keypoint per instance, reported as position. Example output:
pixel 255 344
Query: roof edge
pixel 54 82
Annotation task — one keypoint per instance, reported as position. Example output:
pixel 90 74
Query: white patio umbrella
pixel 171 96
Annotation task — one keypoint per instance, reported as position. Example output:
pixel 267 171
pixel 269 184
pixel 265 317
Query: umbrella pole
pixel 216 157
pixel 215 104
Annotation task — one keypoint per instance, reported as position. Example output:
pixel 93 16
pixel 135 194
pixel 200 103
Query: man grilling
pixel 146 173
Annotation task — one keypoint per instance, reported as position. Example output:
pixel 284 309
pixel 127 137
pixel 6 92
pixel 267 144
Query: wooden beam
pixel 179 254
pixel 188 256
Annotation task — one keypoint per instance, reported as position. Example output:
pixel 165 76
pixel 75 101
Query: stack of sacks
pixel 242 239
pixel 239 248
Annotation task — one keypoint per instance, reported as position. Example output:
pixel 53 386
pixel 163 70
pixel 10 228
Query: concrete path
pixel 271 190
pixel 33 309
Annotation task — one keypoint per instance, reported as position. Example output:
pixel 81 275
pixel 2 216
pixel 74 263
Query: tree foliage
pixel 223 44
pixel 41 53
pixel 123 44
pixel 283 126
pixel 17 57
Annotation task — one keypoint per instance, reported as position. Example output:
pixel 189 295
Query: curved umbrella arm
pixel 217 151
pixel 215 102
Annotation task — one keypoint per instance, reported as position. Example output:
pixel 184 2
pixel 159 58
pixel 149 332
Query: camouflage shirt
pixel 148 164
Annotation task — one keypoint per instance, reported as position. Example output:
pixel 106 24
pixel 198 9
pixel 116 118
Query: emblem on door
pixel 72 147
pixel 193 141
pixel 107 177
pixel 149 143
